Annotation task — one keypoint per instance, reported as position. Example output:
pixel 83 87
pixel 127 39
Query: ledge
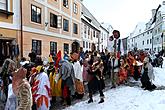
pixel 6 12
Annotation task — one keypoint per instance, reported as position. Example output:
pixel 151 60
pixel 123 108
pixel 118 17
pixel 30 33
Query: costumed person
pixel 55 79
pixel 142 55
pixel 22 89
pixel 78 76
pixel 115 67
pixel 123 72
pixel 68 81
pixel 85 73
pixel 11 103
pixel 147 75
pixel 41 90
pixel 95 78
pixel 7 68
pixel 65 56
pixel 118 44
pixel 32 55
pixel 130 60
pixel 51 65
pixel 137 68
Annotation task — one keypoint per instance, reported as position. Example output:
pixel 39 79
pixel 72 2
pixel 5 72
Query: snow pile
pixel 129 98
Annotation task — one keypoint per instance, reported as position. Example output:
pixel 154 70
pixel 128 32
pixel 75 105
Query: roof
pixel 86 13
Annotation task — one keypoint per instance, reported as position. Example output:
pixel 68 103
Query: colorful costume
pixel 22 90
pixel 41 90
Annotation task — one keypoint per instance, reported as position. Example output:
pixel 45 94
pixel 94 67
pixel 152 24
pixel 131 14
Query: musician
pixel 95 78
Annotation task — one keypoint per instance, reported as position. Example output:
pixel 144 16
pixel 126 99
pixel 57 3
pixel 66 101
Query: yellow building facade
pixel 46 26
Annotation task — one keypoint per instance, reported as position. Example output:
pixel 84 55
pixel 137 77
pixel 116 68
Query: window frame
pixel 37 44
pixel 75 28
pixel 64 23
pixel 35 20
pixel 66 49
pixel 55 24
pixel 54 48
pixel 66 3
pixel 75 8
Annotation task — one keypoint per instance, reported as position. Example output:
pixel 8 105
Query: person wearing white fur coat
pixel 147 75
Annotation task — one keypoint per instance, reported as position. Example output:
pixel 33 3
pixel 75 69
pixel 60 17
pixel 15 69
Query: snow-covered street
pixel 130 98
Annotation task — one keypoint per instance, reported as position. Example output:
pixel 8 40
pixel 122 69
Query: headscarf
pixel 18 79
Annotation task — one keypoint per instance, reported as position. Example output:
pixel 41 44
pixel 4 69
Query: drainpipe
pixel 21 28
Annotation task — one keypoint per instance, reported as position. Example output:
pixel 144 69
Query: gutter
pixel 21 28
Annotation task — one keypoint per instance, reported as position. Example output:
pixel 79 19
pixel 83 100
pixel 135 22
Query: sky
pixel 123 15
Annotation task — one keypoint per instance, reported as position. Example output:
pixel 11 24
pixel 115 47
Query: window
pixel 150 41
pixel 66 48
pixel 75 28
pixel 65 25
pixel 85 28
pixel 3 4
pixel 83 44
pixel 88 30
pixel 155 49
pixel 35 14
pixel 97 35
pixel 93 33
pixel 86 44
pixel 65 3
pixel 75 8
pixel 159 30
pixel 147 41
pixel 53 20
pixel 89 45
pixel 53 47
pixel 143 42
pixel 36 46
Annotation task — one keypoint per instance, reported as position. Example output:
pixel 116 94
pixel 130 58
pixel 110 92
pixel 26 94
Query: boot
pixel 101 100
pixel 90 100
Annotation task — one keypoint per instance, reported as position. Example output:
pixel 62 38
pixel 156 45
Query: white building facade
pixel 149 36
pixel 90 30
pixel 103 38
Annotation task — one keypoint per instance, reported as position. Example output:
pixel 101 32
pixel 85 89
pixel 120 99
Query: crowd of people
pixel 36 85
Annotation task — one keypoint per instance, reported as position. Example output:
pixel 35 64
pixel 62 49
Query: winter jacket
pixel 150 71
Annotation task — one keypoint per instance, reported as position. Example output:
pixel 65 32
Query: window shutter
pixel 59 21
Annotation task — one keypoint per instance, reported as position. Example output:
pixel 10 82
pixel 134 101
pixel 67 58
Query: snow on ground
pixel 129 98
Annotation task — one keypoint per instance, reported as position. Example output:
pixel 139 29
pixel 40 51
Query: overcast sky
pixel 123 15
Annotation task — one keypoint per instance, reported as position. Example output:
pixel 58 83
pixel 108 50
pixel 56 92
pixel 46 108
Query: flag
pixel 154 19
